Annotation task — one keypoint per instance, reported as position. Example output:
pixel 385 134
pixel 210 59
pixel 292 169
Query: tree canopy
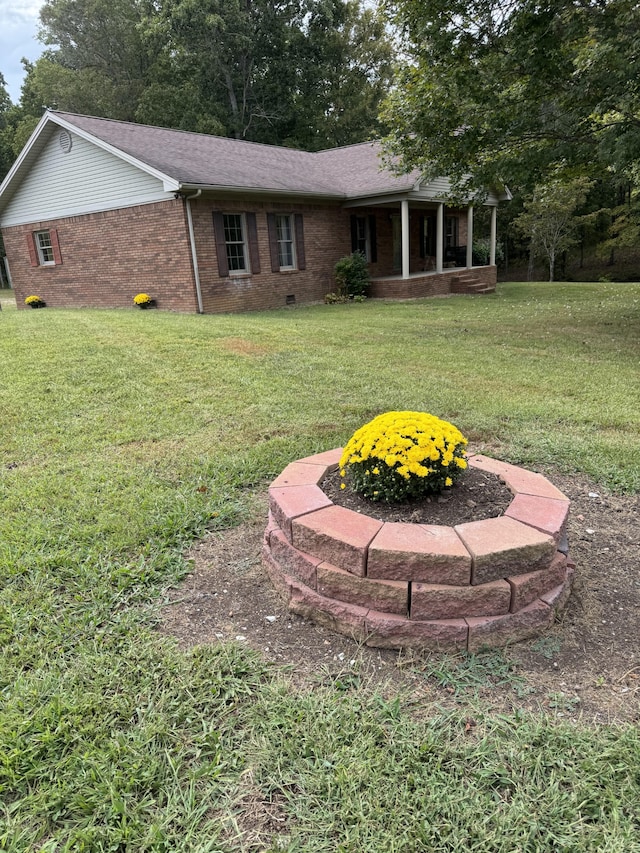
pixel 505 90
pixel 303 73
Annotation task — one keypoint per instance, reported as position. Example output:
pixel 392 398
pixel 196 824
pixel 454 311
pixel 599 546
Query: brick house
pixel 95 211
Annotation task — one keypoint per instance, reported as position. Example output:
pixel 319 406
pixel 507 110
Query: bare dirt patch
pixel 586 667
pixel 242 346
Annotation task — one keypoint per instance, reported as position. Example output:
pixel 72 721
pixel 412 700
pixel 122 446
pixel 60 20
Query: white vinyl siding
pixel 83 180
pixel 440 189
pixel 437 188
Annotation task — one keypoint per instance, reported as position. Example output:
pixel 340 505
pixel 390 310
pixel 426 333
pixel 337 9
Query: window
pixel 234 238
pixel 44 249
pixel 286 244
pixel 363 236
pixel 396 236
pixel 286 241
pixel 451 232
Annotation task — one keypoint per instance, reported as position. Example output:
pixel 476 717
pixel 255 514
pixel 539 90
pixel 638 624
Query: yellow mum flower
pixel 410 453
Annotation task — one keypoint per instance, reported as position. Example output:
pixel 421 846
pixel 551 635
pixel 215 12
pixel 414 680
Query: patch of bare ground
pixel 587 667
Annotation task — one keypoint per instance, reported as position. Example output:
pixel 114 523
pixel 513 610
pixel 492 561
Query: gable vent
pixel 65 141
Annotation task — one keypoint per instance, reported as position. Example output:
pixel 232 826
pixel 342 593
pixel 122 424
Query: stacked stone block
pixel 389 584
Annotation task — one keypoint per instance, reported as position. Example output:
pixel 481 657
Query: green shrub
pixel 352 275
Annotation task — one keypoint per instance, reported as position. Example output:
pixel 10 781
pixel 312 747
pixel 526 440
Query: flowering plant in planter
pixel 35 302
pixel 143 300
pixel 400 456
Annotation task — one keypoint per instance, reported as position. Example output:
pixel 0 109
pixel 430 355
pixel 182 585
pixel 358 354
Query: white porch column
pixel 439 237
pixel 494 231
pixel 470 236
pixel 404 219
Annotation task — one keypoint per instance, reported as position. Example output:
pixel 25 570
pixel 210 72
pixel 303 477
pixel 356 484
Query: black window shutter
pixel 301 257
pixel 221 245
pixel 373 243
pixel 354 233
pixel 422 241
pixel 273 242
pixel 252 235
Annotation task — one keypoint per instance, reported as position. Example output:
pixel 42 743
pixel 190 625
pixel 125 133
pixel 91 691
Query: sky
pixel 18 29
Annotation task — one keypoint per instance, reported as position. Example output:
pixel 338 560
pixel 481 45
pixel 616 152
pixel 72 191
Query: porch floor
pixel 421 274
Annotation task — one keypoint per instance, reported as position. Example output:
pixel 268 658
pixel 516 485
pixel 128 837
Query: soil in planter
pixel 477 495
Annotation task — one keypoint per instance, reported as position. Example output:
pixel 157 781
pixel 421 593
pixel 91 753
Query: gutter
pixel 192 243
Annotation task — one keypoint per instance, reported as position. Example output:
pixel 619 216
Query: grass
pixel 125 435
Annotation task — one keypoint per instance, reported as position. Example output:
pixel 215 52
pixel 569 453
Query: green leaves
pixel 505 90
pixel 549 219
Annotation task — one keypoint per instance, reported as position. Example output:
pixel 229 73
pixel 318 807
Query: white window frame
pixel 284 242
pixel 242 242
pixel 44 248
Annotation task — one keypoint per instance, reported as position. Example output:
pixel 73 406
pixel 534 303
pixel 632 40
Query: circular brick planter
pixel 391 584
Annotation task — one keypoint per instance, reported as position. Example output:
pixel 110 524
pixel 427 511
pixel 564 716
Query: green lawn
pixel 127 434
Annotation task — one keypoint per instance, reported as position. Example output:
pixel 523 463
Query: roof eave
pixel 188 187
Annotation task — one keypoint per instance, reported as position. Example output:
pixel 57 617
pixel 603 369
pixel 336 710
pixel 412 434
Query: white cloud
pixel 21 9
pixel 18 31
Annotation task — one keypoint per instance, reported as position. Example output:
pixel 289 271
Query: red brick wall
pixel 429 285
pixel 108 257
pixel 327 238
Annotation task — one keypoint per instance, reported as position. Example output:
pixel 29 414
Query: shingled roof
pixel 199 160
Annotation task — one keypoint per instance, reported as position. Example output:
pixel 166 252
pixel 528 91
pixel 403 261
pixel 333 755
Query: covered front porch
pixel 439 241
pixel 418 244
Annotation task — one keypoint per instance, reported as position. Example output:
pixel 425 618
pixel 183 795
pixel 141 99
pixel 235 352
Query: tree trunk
pixel 233 103
pixel 531 260
pixel 552 264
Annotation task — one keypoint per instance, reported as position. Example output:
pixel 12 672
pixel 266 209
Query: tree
pixel 504 90
pixel 6 154
pixel 97 56
pixel 550 217
pixel 344 71
pixel 305 73
pixel 232 50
